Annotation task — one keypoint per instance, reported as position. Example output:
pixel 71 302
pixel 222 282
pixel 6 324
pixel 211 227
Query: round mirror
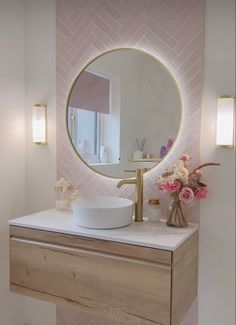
pixel 123 112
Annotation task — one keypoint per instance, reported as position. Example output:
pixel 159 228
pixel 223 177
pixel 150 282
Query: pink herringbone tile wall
pixel 171 30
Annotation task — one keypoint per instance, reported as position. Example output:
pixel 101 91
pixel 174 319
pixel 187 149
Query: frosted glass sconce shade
pixel 225 121
pixel 39 124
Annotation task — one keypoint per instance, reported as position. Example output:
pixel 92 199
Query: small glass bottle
pixel 75 196
pixel 154 210
pixel 62 194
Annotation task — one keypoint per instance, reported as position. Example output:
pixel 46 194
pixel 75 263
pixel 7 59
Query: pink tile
pixel 171 29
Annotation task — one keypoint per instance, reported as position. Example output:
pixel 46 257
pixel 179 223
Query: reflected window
pixel 93 126
pixel 85 128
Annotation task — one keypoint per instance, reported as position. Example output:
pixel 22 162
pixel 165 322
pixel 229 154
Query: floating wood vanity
pixel 141 274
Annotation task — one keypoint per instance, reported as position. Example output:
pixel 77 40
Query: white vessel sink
pixel 103 212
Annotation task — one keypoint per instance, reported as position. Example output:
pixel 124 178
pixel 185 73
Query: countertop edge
pixel 107 237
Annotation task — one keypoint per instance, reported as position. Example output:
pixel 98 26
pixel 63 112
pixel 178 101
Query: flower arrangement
pixel 183 185
pixel 179 181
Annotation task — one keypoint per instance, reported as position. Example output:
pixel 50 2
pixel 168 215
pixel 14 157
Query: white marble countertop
pixel 155 235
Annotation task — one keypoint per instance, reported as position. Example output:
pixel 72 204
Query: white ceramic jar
pixel 137 154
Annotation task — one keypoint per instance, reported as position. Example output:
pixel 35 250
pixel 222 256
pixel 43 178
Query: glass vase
pixel 175 217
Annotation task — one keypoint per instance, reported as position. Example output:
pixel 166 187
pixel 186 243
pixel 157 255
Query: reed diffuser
pixel 138 154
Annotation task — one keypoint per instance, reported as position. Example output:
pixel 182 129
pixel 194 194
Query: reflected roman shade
pixel 91 92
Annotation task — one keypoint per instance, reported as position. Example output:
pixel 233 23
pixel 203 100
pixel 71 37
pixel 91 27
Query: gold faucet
pixel 138 181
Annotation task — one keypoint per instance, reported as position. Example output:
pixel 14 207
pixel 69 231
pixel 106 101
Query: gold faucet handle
pixel 145 170
pixel 130 171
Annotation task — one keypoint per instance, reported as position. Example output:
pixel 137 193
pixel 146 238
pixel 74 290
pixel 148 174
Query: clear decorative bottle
pixel 62 194
pixel 75 196
pixel 175 215
pixel 154 212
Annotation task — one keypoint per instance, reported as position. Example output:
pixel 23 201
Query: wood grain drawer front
pixel 126 289
pixel 105 246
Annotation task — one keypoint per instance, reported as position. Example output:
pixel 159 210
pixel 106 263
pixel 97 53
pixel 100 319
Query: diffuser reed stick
pixel 140 143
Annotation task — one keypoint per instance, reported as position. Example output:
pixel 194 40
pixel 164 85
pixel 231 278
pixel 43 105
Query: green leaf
pixel 202 184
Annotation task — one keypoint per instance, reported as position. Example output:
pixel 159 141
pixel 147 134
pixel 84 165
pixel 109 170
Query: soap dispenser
pixel 154 210
pixel 62 194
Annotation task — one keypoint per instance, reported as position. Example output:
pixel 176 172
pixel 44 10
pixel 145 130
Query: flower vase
pixel 175 217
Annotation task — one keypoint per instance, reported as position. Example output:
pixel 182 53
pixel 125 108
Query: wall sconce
pixel 39 124
pixel 225 121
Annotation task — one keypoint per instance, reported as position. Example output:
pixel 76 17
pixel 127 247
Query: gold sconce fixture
pixel 225 121
pixel 39 124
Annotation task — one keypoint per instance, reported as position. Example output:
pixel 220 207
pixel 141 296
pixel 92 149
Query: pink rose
pixel 186 195
pixel 171 187
pixel 165 187
pixel 198 172
pixel 185 157
pixel 201 192
pixel 169 143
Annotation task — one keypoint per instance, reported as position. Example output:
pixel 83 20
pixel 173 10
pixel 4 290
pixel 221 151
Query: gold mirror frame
pixel 74 82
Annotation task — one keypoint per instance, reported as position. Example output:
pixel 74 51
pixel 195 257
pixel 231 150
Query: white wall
pixel 27 171
pixel 12 145
pixel 40 40
pixel 217 218
pixel 40 54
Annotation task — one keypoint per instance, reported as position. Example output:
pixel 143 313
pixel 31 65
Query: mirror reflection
pixel 123 113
